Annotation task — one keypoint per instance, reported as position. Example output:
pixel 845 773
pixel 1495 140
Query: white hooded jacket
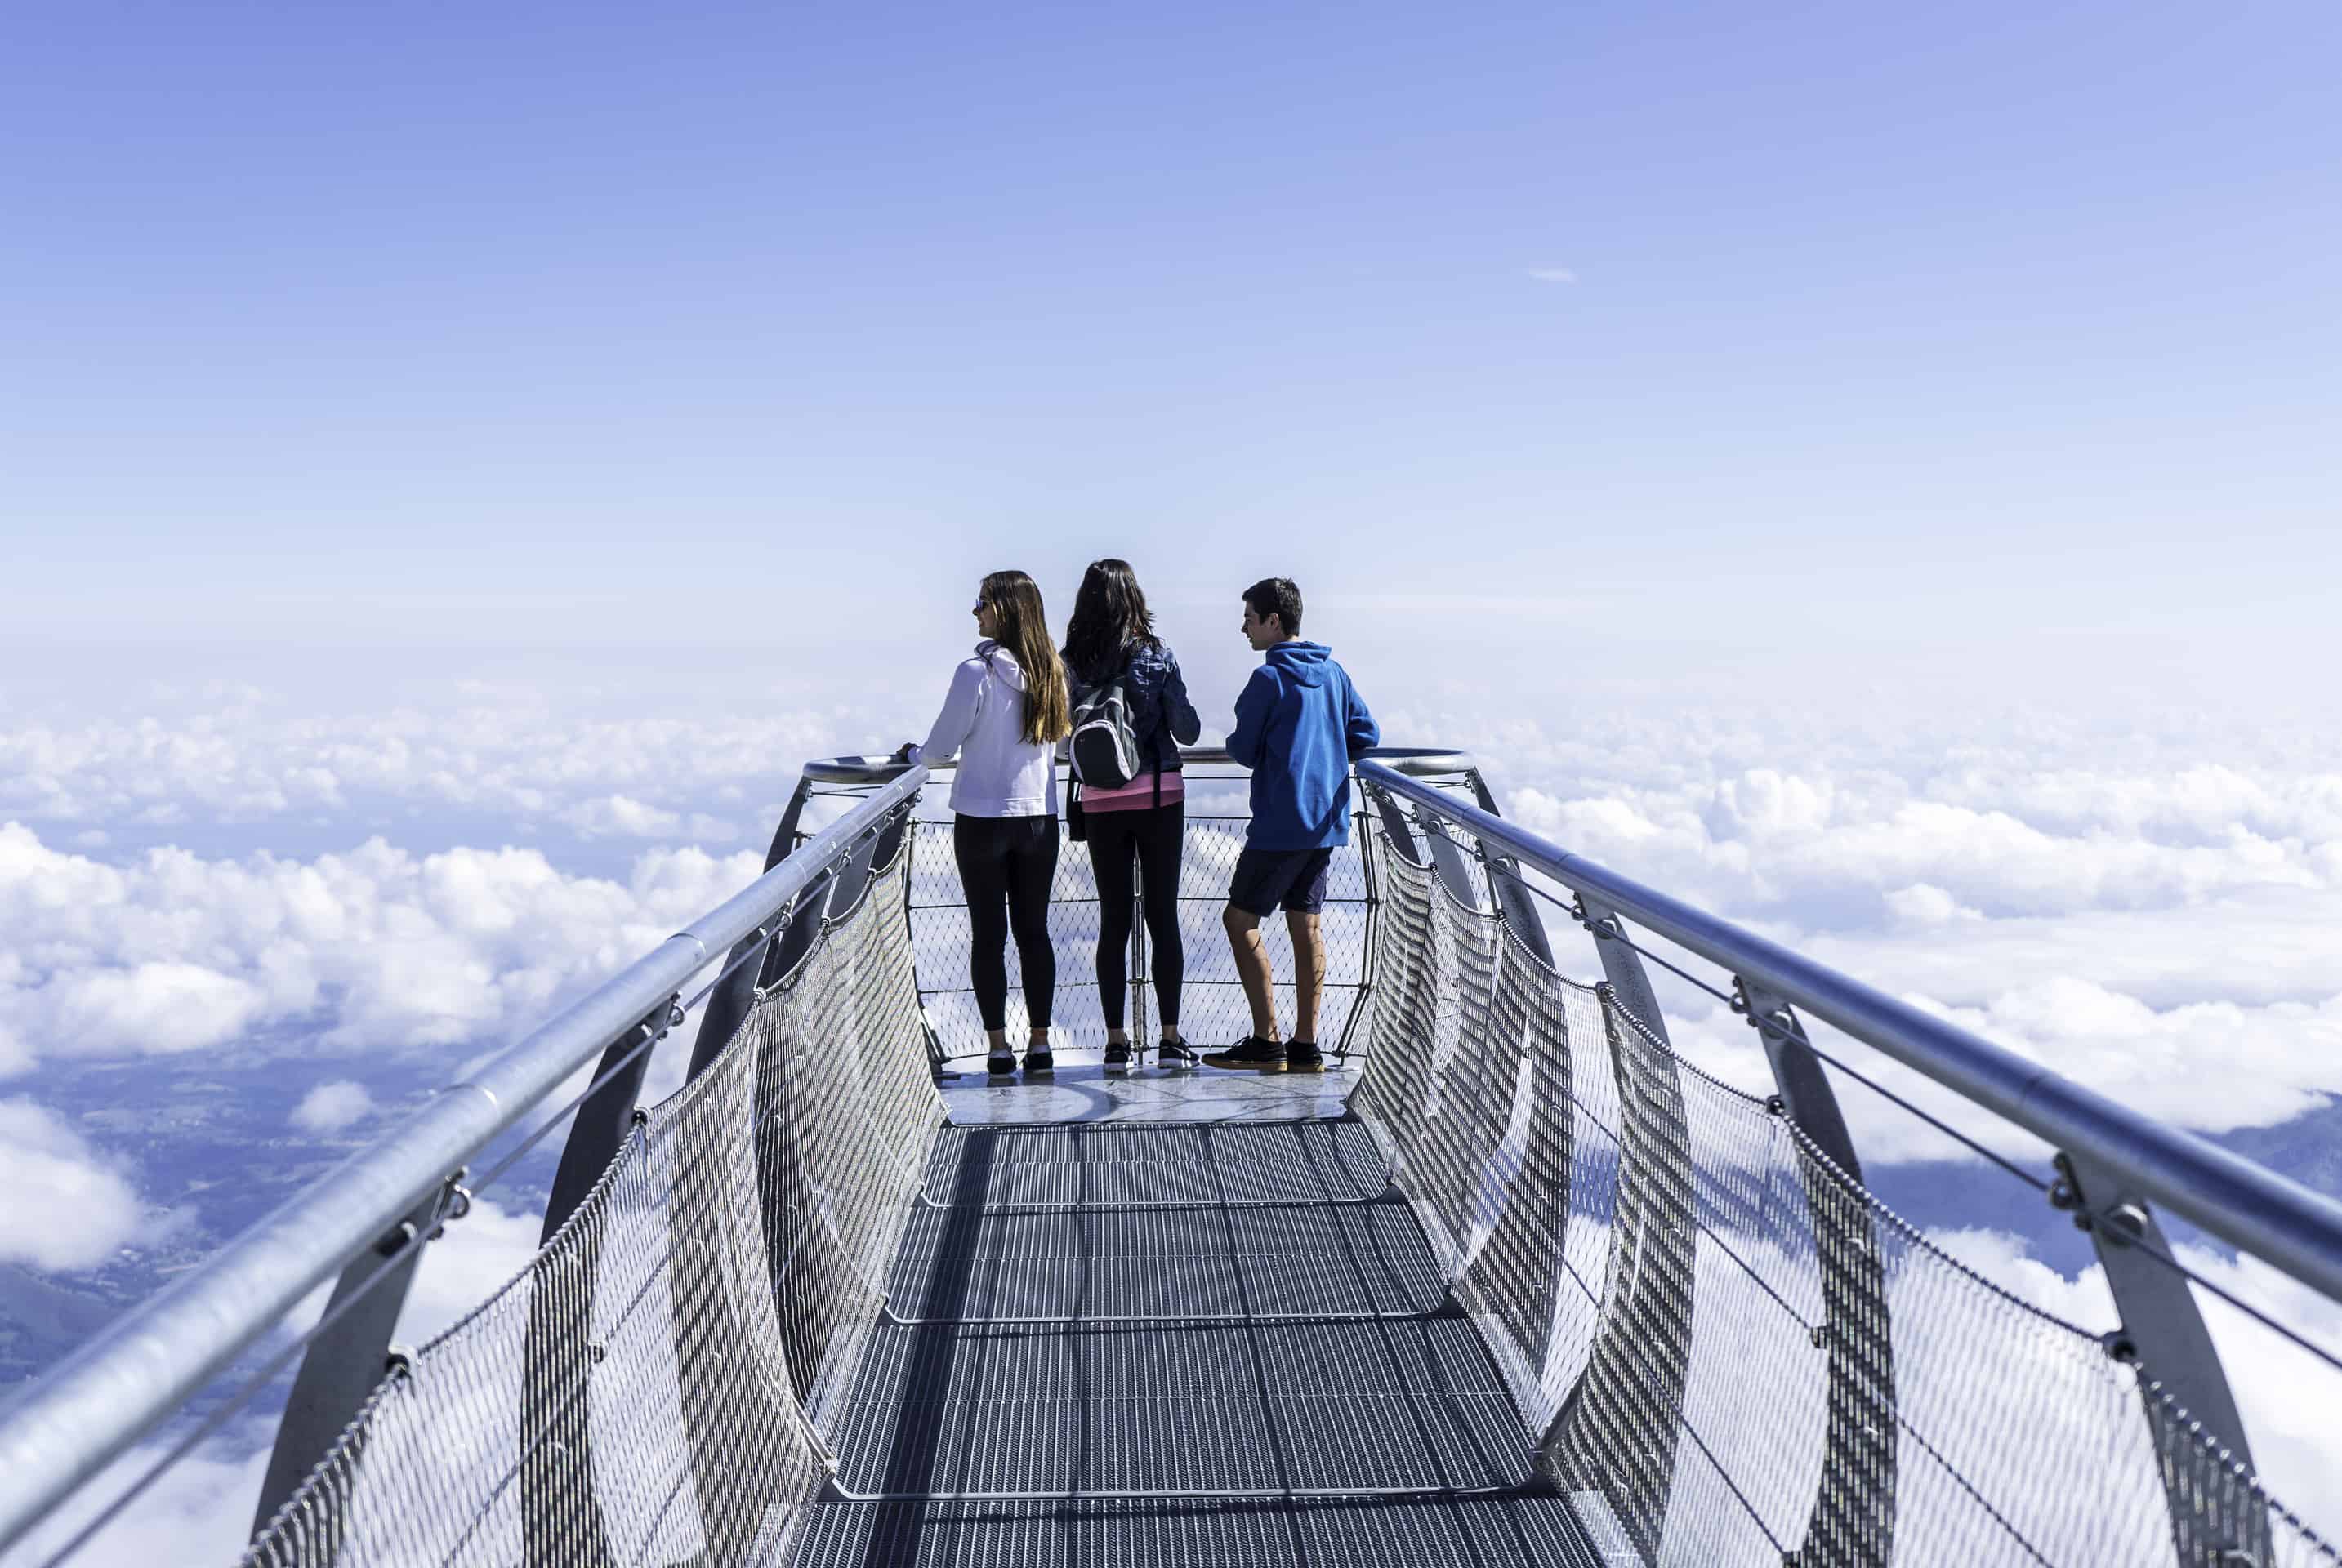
pixel 1001 774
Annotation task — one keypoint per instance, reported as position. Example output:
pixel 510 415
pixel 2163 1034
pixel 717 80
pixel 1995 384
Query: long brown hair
pixel 1110 614
pixel 1016 600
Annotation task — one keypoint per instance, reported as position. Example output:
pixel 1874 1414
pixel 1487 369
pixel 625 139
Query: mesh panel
pixel 659 1385
pixel 1213 1010
pixel 1445 1065
pixel 1737 1353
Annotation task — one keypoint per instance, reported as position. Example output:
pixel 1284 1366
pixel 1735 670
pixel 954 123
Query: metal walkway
pixel 1221 1342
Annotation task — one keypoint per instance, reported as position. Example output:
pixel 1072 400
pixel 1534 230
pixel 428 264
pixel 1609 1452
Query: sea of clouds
pixel 354 898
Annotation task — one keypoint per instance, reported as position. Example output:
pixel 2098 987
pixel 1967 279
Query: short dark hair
pixel 1279 597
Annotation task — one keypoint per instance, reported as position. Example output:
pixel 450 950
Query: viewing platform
pixel 1511 1281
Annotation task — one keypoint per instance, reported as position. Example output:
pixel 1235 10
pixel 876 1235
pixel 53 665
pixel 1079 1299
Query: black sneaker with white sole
pixel 1000 1064
pixel 1303 1056
pixel 1117 1056
pixel 1040 1061
pixel 1175 1055
pixel 1250 1055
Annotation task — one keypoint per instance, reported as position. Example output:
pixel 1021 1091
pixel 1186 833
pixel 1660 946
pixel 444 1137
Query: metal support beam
pixel 1135 1009
pixel 344 1364
pixel 553 1368
pixel 1617 1432
pixel 1514 901
pixel 1454 866
pixel 730 1003
pixel 2213 1518
pixel 1852 1524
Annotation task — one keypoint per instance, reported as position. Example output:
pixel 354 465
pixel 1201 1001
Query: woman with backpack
pixel 1132 715
pixel 1002 718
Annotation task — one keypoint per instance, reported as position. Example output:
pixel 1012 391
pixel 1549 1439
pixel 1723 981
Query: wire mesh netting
pixel 657 1386
pixel 1733 1353
pixel 1738 1353
pixel 1213 1011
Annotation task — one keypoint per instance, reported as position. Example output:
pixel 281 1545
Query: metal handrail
pixel 2281 1222
pixel 100 1400
pixel 1426 761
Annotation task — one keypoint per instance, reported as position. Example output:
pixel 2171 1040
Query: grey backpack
pixel 1104 747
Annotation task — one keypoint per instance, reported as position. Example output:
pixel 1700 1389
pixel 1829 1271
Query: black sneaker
pixel 1175 1056
pixel 1000 1064
pixel 1303 1056
pixel 1039 1061
pixel 1250 1055
pixel 1117 1056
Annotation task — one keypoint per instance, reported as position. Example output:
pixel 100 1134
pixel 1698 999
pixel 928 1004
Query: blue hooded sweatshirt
pixel 1299 724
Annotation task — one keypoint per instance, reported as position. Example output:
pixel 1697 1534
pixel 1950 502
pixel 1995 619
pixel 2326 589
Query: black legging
pixel 1150 840
pixel 1005 865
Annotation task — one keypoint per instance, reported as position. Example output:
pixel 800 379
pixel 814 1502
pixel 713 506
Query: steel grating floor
pixel 1178 1533
pixel 1136 1342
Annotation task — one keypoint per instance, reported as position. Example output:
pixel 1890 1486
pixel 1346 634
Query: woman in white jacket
pixel 1002 718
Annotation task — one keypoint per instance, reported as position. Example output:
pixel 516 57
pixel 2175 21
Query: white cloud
pixel 623 816
pixel 197 1511
pixel 165 1007
pixel 1552 274
pixel 374 947
pixel 69 1207
pixel 509 752
pixel 330 1107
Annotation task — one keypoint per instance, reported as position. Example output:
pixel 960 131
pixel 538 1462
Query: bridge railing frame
pixel 362 1223
pixel 2113 1162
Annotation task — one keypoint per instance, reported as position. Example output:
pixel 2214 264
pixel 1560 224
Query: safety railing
pixel 364 1224
pixel 1679 1172
pixel 1214 828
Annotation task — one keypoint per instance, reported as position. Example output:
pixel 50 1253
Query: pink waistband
pixel 1138 795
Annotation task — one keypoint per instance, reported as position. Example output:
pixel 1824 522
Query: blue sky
pixel 488 323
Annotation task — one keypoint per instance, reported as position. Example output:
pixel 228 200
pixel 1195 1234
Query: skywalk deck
pixel 1176 1319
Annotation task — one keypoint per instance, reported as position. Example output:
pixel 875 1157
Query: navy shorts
pixel 1290 879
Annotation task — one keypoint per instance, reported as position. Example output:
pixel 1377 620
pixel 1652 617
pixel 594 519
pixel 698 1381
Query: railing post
pixel 730 1003
pixel 1454 866
pixel 344 1364
pixel 1852 1524
pixel 2164 1330
pixel 1371 801
pixel 553 1368
pixel 1513 900
pixel 1617 1432
pixel 1135 1015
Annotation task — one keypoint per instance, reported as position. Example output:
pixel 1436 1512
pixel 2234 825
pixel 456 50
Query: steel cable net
pixel 659 1385
pixel 1737 1353
pixel 1213 1012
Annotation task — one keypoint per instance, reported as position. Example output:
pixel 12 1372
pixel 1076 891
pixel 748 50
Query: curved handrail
pixel 1426 761
pixel 2281 1222
pixel 90 1407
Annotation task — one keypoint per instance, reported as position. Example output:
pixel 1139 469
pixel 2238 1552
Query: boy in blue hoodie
pixel 1299 725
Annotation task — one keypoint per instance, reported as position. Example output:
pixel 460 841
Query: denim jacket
pixel 1160 712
